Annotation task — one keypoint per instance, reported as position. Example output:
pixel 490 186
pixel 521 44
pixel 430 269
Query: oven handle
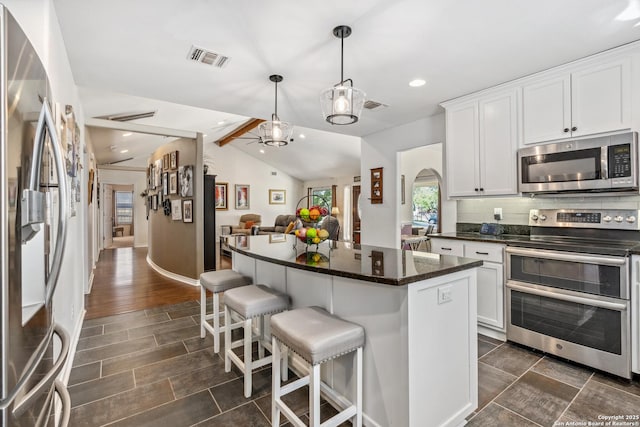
pixel 567 256
pixel 569 298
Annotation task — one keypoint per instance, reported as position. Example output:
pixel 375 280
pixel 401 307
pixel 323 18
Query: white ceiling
pixel 458 46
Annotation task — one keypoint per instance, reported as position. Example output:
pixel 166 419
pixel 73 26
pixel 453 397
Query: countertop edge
pixel 470 263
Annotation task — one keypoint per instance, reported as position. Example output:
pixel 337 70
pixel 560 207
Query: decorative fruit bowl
pixel 313 258
pixel 311 235
pixel 312 214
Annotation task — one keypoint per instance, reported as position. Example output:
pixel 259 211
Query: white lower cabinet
pixel 635 314
pixel 490 278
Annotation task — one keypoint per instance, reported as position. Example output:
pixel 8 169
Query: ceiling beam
pixel 135 127
pixel 239 131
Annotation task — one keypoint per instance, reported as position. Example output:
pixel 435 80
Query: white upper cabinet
pixel 481 145
pixel 593 100
pixel 546 107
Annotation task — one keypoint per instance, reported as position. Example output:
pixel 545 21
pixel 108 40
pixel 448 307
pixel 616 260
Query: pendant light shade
pixel 342 104
pixel 275 133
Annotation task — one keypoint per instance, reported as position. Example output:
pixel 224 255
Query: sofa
pixel 280 225
pixel 246 223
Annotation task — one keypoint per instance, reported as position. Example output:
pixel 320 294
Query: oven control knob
pixel 631 219
pixel 534 217
pixel 618 218
pixel 543 217
pixel 606 218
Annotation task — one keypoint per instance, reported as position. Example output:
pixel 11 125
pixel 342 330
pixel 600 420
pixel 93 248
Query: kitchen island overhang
pixel 418 311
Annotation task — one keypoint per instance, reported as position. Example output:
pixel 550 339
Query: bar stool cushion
pixel 222 280
pixel 255 300
pixel 315 334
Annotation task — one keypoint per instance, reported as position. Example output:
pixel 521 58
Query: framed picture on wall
pixel 165 162
pixel 173 183
pixel 165 183
pixel 176 210
pixel 277 197
pixel 242 196
pixel 155 202
pixel 185 178
pixel 173 160
pixel 221 196
pixel 187 210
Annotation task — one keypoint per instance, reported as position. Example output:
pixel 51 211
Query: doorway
pixel 426 201
pixel 118 214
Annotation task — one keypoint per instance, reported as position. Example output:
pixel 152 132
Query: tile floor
pixel 150 368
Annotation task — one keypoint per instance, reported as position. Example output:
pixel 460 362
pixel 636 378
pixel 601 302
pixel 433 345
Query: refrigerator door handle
pixel 29 398
pixel 33 199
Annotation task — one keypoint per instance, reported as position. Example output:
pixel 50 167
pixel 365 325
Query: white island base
pixel 420 354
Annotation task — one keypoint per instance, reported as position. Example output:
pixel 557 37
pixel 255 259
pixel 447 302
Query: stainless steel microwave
pixel 602 164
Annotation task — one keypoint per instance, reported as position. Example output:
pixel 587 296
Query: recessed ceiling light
pixel 302 135
pixel 261 151
pixel 417 83
pixel 127 134
pixel 221 122
pixel 204 134
pixel 124 151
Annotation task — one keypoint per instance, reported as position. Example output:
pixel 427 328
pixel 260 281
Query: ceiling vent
pixel 372 105
pixel 127 117
pixel 208 57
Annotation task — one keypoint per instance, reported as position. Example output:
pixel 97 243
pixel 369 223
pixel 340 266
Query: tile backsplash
pixel 515 210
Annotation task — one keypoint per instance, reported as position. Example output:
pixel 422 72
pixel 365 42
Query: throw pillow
pixel 249 224
pixel 290 228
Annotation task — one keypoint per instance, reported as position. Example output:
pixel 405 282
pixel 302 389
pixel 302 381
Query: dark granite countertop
pixel 526 241
pixel 361 262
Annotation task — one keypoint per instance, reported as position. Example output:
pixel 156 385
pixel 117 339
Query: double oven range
pixel 568 286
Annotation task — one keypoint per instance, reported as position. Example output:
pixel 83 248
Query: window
pixel 124 207
pixel 321 196
pixel 426 199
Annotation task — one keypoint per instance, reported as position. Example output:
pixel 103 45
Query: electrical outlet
pixel 444 294
pixel 497 214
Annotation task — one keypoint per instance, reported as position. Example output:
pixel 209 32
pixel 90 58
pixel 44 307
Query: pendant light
pixel 342 104
pixel 275 133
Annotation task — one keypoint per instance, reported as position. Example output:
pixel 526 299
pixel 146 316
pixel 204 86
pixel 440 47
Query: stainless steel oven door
pixel 588 329
pixel 591 274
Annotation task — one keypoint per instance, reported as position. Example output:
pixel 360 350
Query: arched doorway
pixel 426 200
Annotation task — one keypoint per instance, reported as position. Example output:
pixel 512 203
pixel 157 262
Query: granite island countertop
pixel 375 264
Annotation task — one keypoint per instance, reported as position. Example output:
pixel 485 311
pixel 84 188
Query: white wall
pixel 139 181
pixel 233 166
pixel 39 21
pixel 380 224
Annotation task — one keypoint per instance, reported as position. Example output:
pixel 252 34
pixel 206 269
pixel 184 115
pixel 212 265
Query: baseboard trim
pixel 141 246
pixel 174 276
pixel 91 277
pixel 75 337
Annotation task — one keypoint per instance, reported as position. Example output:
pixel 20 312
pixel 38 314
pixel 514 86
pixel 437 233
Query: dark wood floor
pixel 124 282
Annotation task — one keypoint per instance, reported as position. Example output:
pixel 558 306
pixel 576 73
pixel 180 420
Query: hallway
pixel 124 282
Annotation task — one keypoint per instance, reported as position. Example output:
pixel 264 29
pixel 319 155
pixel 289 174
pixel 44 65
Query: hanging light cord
pixel 274 116
pixel 342 58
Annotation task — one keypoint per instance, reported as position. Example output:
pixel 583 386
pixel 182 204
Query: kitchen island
pixel 419 314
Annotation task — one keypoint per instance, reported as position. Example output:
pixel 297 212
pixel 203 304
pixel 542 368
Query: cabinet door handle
pixel 475 189
pixel 482 253
pixel 566 130
pixel 446 249
pixel 574 128
pixel 481 189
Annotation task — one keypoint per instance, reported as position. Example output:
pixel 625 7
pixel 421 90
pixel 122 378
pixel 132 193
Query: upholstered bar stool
pixel 250 302
pixel 216 282
pixel 317 336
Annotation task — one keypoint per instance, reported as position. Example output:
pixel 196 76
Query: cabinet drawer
pixel 484 251
pixel 447 247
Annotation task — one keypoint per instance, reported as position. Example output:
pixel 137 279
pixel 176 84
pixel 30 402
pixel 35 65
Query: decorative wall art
pixel 173 183
pixel 154 203
pixel 71 141
pixel 242 196
pixel 187 210
pixel 173 160
pixel 165 184
pixel 157 173
pixel 221 196
pixel 277 197
pixel 185 177
pixel 376 186
pixel 176 210
pixel 166 161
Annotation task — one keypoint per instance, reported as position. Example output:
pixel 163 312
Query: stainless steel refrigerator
pixel 33 205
